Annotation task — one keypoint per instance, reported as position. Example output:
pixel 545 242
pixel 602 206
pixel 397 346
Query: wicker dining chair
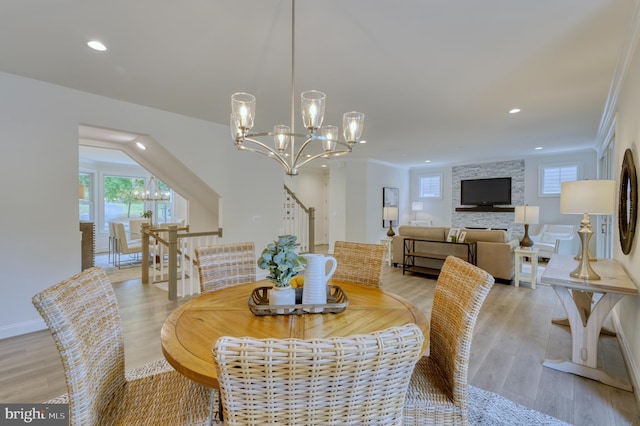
pixel 353 380
pixel 438 391
pixel 359 262
pixel 225 265
pixel 82 314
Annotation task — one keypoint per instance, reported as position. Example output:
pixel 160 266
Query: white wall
pixel 355 199
pixel 628 136
pixel 310 188
pixel 550 206
pixel 378 176
pixel 438 210
pixel 337 202
pixel 39 167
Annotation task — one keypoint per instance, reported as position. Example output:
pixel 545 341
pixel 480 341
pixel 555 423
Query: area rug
pixel 485 408
pixel 488 408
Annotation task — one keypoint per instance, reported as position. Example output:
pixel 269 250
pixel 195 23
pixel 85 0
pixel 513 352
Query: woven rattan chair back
pixel 225 265
pixel 82 314
pixel 460 292
pixel 438 391
pixel 359 263
pixel 351 380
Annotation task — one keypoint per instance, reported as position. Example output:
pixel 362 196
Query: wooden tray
pixel 337 301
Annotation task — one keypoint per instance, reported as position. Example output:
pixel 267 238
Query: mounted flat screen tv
pixel 485 192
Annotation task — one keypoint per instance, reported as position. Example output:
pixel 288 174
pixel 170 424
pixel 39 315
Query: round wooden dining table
pixel 188 334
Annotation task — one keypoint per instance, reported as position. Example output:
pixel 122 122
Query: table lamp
pixel 416 206
pixel 390 214
pixel 587 197
pixel 528 215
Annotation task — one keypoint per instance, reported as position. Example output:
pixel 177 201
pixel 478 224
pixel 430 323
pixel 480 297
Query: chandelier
pixel 284 151
pixel 152 192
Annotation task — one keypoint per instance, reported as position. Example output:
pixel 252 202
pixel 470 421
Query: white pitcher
pixel 315 280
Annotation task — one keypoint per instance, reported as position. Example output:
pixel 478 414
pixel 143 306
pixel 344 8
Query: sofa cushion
pixel 424 232
pixel 488 235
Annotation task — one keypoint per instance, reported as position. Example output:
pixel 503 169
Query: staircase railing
pixel 299 221
pixel 170 254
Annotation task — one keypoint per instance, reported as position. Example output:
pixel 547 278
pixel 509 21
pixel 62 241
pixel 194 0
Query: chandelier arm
pixel 302 147
pixel 330 153
pixel 275 157
pixel 271 153
pixel 320 154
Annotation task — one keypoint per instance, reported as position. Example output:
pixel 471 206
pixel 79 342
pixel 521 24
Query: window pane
pixel 119 203
pixel 85 196
pixel 430 186
pixel 552 178
pixel 163 211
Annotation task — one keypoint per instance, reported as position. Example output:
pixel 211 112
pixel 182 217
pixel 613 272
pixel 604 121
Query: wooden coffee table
pixel 188 334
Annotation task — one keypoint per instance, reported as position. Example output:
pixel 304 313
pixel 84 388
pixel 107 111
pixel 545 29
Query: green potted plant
pixel 281 260
pixel 283 263
pixel 148 215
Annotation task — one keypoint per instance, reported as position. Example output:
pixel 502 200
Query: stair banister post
pixel 173 262
pixel 145 253
pixel 312 229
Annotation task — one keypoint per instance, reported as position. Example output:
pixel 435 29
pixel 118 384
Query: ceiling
pixel 434 78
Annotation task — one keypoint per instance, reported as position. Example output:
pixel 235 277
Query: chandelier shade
pixel 284 149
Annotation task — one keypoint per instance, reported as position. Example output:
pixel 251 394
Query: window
pixel 120 205
pixel 85 195
pixel 430 186
pixel 162 212
pixel 552 176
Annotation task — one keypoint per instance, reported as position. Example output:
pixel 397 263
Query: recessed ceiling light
pixel 141 145
pixel 363 141
pixel 514 110
pixel 538 148
pixel 427 161
pixel 324 165
pixel 96 45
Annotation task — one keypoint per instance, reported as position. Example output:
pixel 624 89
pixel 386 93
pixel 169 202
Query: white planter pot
pixel 282 296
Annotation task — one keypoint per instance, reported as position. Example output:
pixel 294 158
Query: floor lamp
pixel 587 197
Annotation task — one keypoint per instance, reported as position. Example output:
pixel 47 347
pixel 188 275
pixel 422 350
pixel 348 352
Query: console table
pixel 434 254
pixel 586 322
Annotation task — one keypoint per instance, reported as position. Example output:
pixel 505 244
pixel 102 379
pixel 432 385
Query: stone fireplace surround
pixel 496 220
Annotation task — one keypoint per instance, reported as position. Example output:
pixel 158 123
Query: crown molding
pixel 606 129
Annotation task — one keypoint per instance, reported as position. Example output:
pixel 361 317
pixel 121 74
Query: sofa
pixel 494 247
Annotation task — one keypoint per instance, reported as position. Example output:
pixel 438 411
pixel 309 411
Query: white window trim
pixel 542 167
pixel 423 175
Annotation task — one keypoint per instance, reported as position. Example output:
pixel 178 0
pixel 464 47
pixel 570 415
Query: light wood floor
pixel 512 337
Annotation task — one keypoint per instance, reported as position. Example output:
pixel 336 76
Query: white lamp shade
pixel 529 215
pixel 390 213
pixel 417 206
pixel 588 196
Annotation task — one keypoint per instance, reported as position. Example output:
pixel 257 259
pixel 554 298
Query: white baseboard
pixel 630 362
pixel 20 328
